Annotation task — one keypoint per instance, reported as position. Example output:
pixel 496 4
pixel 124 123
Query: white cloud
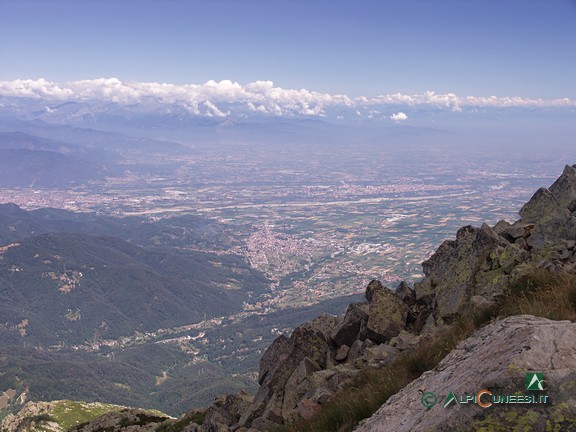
pixel 213 110
pixel 215 98
pixel 399 117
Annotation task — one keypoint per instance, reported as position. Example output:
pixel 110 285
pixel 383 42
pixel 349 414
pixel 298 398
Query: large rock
pixel 542 206
pixel 381 354
pixel 283 348
pixel 278 351
pixel 551 231
pixel 226 411
pixel 517 230
pixel 348 331
pixel 452 270
pixel 564 189
pixel 387 313
pixel 496 359
pixel 285 358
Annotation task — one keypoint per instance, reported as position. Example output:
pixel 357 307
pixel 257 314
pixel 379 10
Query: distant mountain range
pixel 62 157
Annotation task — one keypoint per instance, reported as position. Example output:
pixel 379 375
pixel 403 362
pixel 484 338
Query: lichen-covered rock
pixel 387 313
pixel 501 227
pixel 278 351
pixel 541 207
pixel 495 358
pixel 451 271
pixel 507 257
pixel 356 350
pixel 551 231
pixel 564 189
pixel 480 304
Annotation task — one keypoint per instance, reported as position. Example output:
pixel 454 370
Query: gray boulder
pixel 387 313
pixel 348 331
pixel 518 230
pixel 541 207
pixel 380 354
pixel 342 353
pixel 451 272
pixel 405 341
pixel 564 189
pixel 287 359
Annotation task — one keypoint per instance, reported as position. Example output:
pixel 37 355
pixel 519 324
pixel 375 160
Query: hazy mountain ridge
pixel 186 231
pixel 37 155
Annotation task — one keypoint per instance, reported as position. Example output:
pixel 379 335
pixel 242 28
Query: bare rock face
pixel 496 359
pixel 387 313
pixel 452 269
pixel 347 332
pixel 542 206
pixel 550 211
pixel 564 189
pixel 285 364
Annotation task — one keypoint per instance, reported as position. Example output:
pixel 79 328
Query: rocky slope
pixel 494 359
pixel 301 373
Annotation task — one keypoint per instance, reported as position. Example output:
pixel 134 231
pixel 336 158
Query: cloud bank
pixel 221 98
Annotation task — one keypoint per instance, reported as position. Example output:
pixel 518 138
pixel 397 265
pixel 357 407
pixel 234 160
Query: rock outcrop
pixel 482 262
pixel 496 359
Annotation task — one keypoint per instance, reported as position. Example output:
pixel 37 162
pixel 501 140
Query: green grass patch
pixel 70 413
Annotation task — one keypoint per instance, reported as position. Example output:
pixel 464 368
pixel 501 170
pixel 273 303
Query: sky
pixel 501 48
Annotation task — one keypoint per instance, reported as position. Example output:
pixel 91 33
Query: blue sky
pixel 470 47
